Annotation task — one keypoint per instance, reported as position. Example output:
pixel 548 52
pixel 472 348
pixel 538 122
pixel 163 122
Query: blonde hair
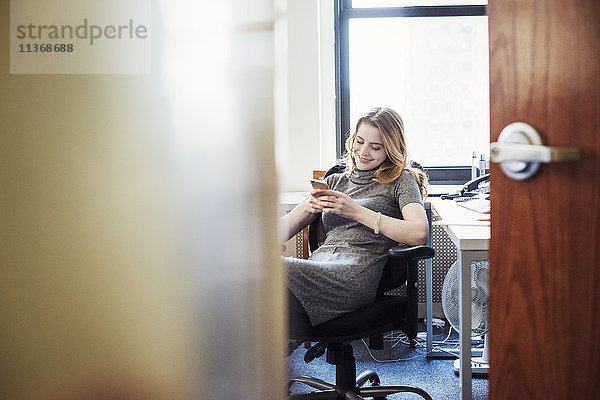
pixel 391 129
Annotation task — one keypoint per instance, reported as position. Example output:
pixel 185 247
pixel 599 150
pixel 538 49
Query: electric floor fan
pixel 479 309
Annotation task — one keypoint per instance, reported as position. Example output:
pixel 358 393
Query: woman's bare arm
pixel 300 217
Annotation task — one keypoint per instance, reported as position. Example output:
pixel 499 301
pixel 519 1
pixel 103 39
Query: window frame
pixel 343 12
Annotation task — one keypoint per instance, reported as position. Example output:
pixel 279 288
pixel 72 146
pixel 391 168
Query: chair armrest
pixel 411 253
pixel 401 266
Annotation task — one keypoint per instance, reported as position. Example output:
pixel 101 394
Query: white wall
pixel 305 125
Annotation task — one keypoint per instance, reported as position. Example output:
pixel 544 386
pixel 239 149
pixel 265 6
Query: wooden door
pixel 544 251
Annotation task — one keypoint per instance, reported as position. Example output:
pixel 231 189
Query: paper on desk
pixel 460 223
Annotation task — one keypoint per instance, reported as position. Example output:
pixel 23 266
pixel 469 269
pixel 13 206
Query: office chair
pixel 387 313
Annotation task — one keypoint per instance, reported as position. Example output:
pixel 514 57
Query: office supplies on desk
pixel 461 223
pixel 476 204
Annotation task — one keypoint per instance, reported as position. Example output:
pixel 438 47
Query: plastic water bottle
pixel 474 168
pixel 482 165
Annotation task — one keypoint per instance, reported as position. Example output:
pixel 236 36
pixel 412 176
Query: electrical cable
pixel 388 361
pixel 420 345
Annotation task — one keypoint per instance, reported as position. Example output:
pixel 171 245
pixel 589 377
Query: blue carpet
pixel 435 376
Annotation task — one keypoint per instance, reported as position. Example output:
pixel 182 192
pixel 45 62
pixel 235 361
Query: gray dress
pixel 342 275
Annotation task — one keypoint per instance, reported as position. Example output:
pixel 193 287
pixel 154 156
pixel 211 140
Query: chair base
pixel 335 392
pixel 348 386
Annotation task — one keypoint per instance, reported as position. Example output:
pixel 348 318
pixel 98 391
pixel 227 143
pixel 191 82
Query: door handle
pixel 520 150
pixel 501 152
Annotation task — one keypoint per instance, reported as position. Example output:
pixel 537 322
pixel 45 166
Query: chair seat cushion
pixel 386 314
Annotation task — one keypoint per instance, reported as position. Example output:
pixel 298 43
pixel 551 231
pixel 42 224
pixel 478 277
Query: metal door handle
pixel 520 151
pixel 501 152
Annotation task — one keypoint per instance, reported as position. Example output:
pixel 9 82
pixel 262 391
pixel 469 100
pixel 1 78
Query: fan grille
pixel 479 297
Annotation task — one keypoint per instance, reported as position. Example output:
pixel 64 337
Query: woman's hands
pixel 313 205
pixel 411 230
pixel 333 202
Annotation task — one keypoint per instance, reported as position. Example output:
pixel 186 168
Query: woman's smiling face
pixel 368 149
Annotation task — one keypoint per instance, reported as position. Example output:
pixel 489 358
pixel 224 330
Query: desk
pixel 471 238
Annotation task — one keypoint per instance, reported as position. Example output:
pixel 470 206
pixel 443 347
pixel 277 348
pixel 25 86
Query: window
pixel 429 63
pixel 405 3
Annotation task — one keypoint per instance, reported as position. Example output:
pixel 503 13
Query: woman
pixel 370 207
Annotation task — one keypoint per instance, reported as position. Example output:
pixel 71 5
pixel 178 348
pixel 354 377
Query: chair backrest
pixel 319 174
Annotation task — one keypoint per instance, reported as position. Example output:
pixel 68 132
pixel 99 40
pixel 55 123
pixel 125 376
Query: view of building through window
pixel 434 71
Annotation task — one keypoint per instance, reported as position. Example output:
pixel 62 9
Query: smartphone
pixel 317 184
